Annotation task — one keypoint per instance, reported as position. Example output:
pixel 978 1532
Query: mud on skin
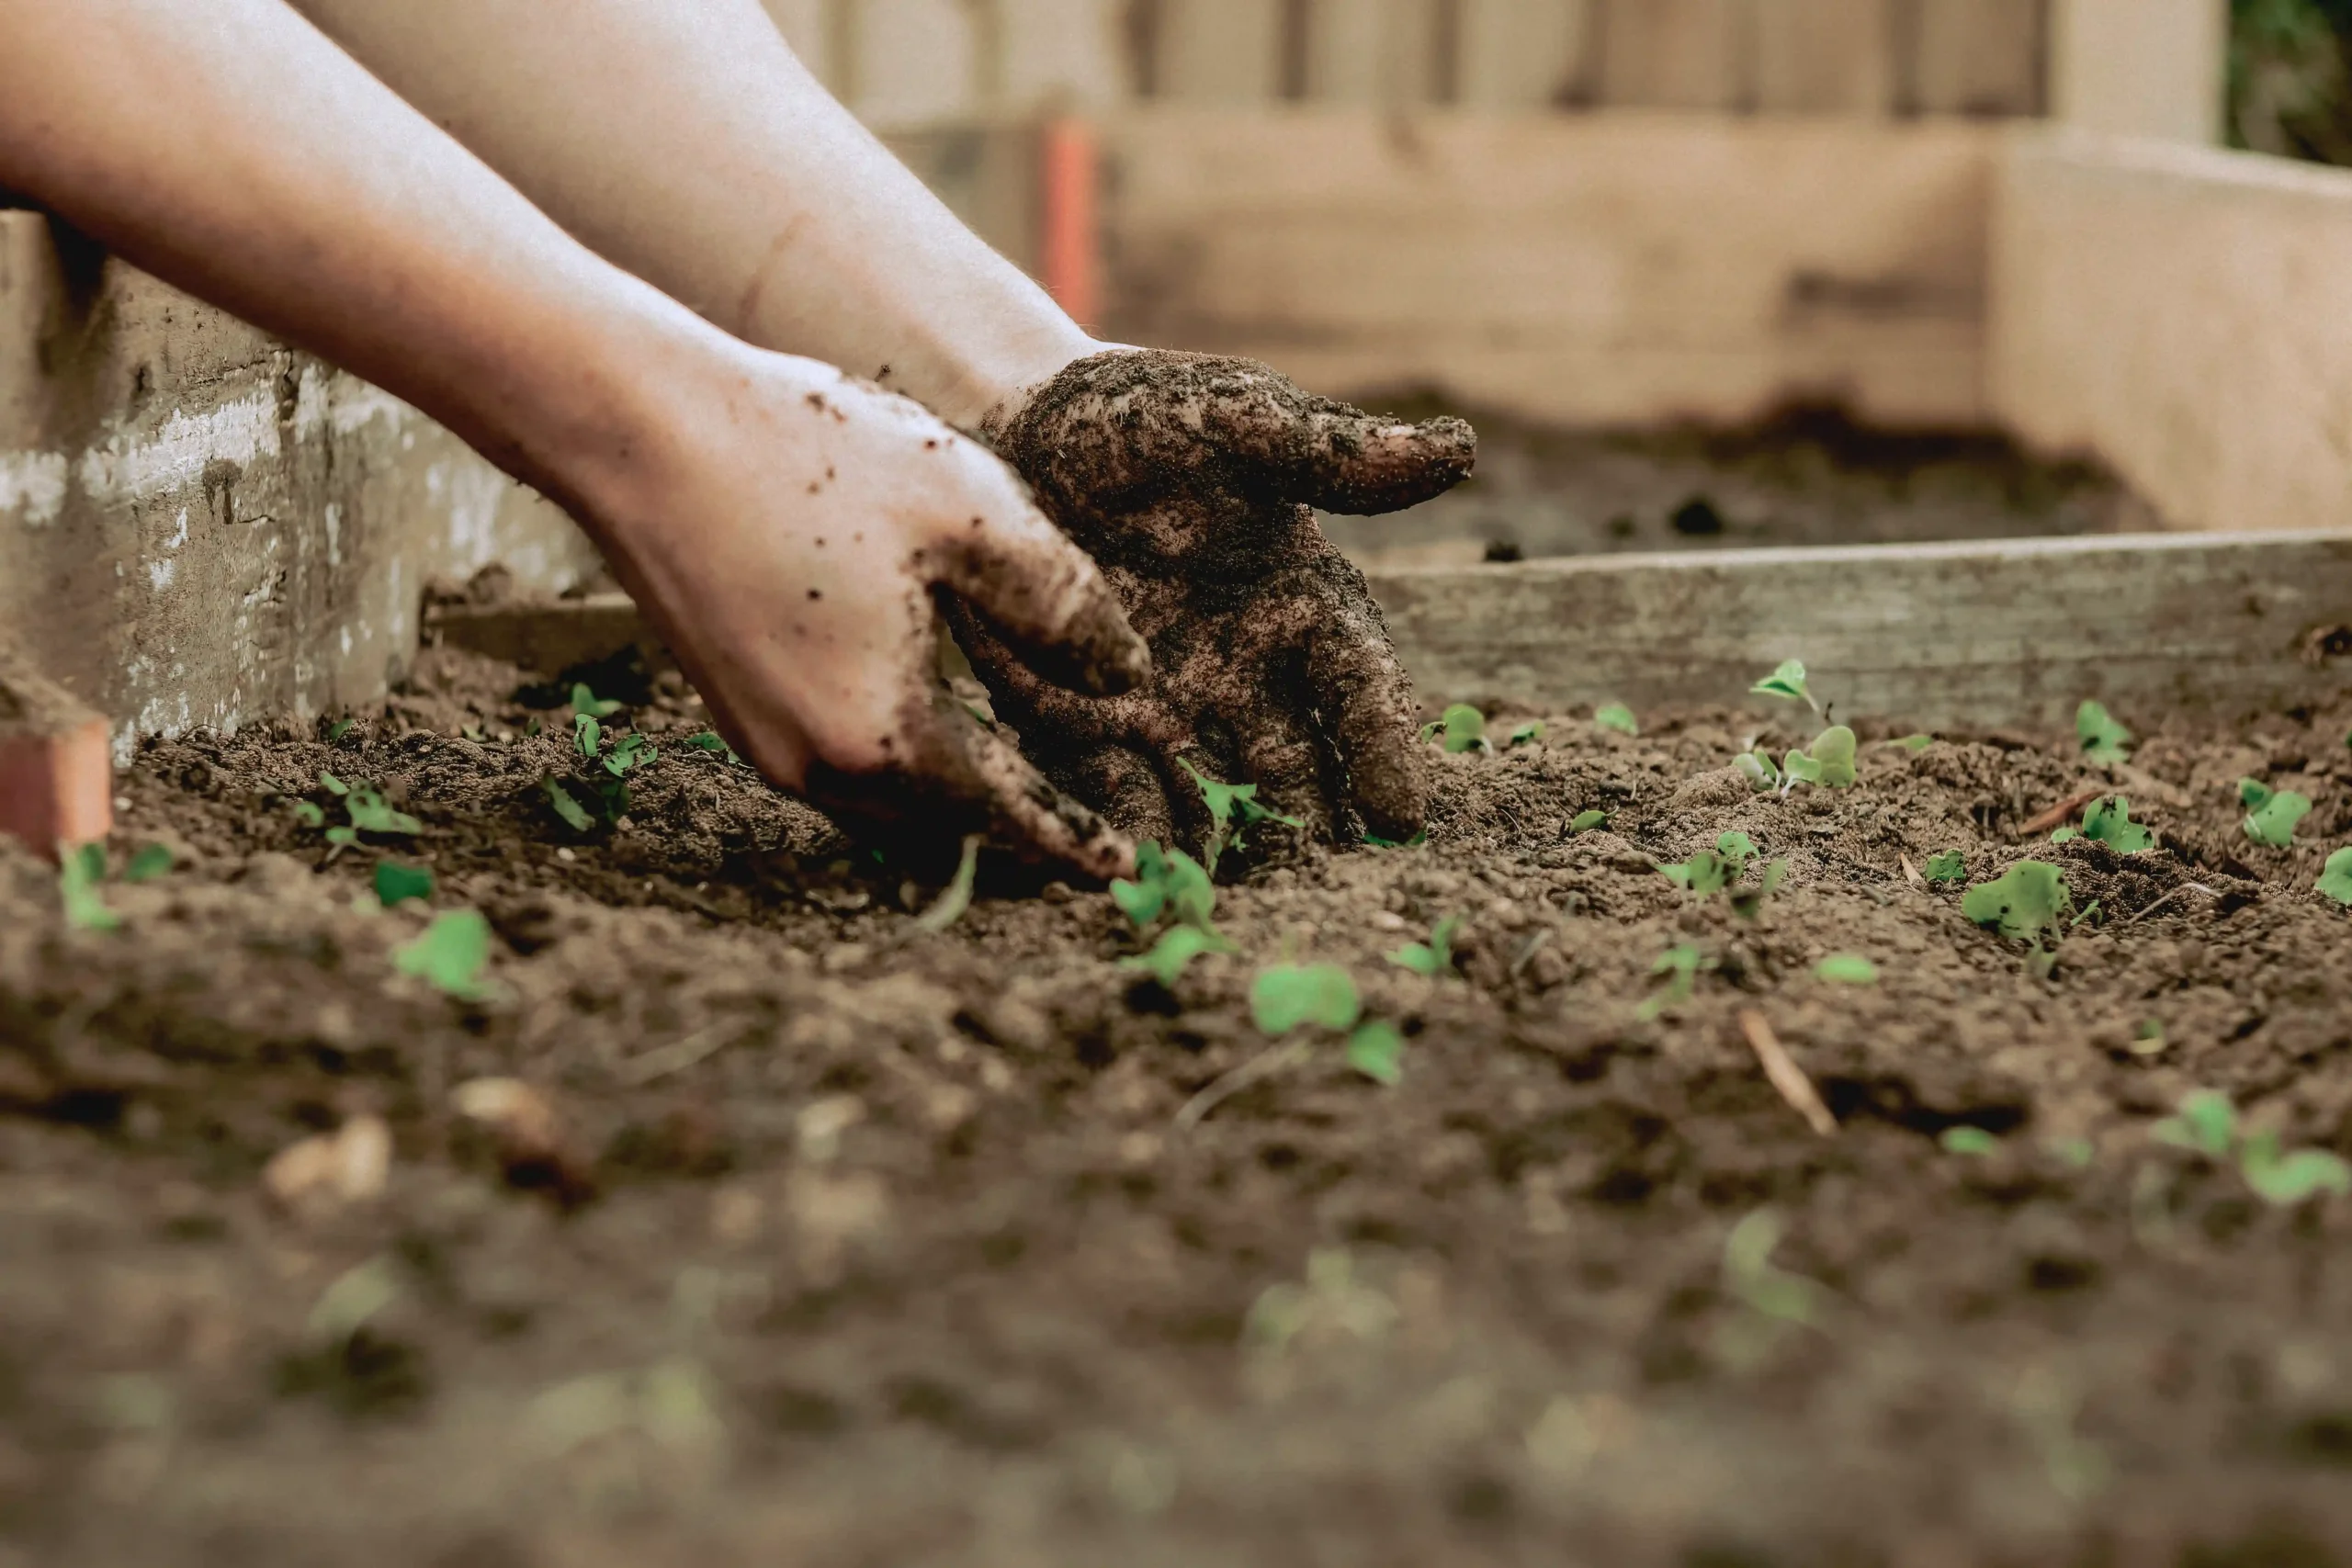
pixel 1193 482
pixel 898 1258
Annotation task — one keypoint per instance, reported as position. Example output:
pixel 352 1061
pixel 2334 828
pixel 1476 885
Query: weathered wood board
pixel 1981 634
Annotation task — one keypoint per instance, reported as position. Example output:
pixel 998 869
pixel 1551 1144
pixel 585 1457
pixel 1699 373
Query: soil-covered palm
pixel 1193 482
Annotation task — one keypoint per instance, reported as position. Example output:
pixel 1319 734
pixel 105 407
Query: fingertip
pixel 1371 465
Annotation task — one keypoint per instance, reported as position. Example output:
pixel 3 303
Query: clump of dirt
pixel 888 1244
pixel 1807 477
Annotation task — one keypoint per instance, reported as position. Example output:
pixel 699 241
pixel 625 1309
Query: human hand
pixel 791 532
pixel 1190 481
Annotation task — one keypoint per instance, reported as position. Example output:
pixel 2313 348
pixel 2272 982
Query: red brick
pixel 56 763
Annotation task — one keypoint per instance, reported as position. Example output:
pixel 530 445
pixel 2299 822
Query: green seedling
pixel 2272 815
pixel 1170 884
pixel 1233 811
pixel 2025 903
pixel 585 704
pixel 1830 764
pixel 396 883
pixel 2335 880
pixel 310 812
pixel 2149 1041
pixel 333 785
pixel 706 742
pixel 1752 1278
pixel 79 874
pixel 1712 870
pixel 450 955
pixel 574 814
pixel 1526 734
pixel 1914 743
pixel 1948 866
pixel 1848 969
pixel 1374 841
pixel 1616 716
pixel 1762 774
pixel 2103 740
pixel 1738 849
pixel 1787 682
pixel 958 896
pixel 2206 1124
pixel 1433 957
pixel 1593 821
pixel 1463 728
pixel 1292 997
pixel 1972 1141
pixel 1747 902
pixel 338 730
pixel 2108 822
pixel 587 736
pixel 368 814
pixel 1377 1051
pixel 632 750
pixel 150 861
pixel 1174 952
pixel 1681 965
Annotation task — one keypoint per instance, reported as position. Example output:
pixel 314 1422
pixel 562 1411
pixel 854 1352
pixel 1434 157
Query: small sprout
pixel 338 730
pixel 450 955
pixel 1848 969
pixel 2149 1041
pixel 1737 847
pixel 369 814
pixel 1174 952
pixel 396 883
pixel 1748 903
pixel 1464 729
pixel 2273 822
pixel 586 705
pixel 2026 901
pixel 958 897
pixel 2206 1124
pixel 1948 866
pixel 310 814
pixel 333 785
pixel 1374 841
pixel 575 814
pixel 1830 764
pixel 2108 822
pixel 1763 774
pixel 1703 874
pixel 587 736
pixel 148 863
pixel 2102 739
pixel 1526 734
pixel 1969 1140
pixel 1915 742
pixel 1788 683
pixel 80 871
pixel 1377 1051
pixel 1168 883
pixel 344 837
pixel 2254 794
pixel 1616 716
pixel 706 742
pixel 1433 957
pixel 1233 811
pixel 2335 881
pixel 2286 1179
pixel 1290 996
pixel 630 751
pixel 2065 835
pixel 1682 965
pixel 1751 1277
pixel 1592 821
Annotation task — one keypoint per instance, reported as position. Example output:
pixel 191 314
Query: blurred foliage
pixel 2290 78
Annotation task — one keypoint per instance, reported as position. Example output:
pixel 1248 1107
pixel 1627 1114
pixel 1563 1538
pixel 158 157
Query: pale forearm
pixel 686 144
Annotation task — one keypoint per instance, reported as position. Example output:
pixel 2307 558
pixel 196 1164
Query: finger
pixel 1128 790
pixel 1282 756
pixel 959 778
pixel 1044 595
pixel 1326 453
pixel 1369 714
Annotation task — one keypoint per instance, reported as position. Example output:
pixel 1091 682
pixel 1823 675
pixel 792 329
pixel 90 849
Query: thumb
pixel 1046 596
pixel 1327 453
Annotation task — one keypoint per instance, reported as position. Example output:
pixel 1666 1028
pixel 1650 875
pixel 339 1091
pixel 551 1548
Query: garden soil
pixel 818 1237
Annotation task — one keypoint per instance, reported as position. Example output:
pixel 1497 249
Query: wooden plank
pixel 2015 632
pixel 1526 54
pixel 1979 58
pixel 1675 54
pixel 1376 52
pixel 2153 68
pixel 1218 52
pixel 2004 633
pixel 1604 268
pixel 1825 57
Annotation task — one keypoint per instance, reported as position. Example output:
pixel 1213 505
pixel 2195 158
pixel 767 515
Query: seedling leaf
pixel 1291 995
pixel 310 814
pixel 1748 903
pixel 958 896
pixel 587 735
pixel 1526 734
pixel 368 814
pixel 1616 716
pixel 333 785
pixel 1916 742
pixel 1848 969
pixel 450 955
pixel 1433 957
pixel 1168 882
pixel 1948 866
pixel 1738 849
pixel 1174 952
pixel 80 871
pixel 1374 841
pixel 586 705
pixel 1703 874
pixel 632 750
pixel 1833 752
pixel 1588 821
pixel 2025 902
pixel 706 742
pixel 150 862
pixel 1377 1051
pixel 2206 1124
pixel 1233 811
pixel 1683 964
pixel 2254 794
pixel 1761 772
pixel 571 811
pixel 2286 1179
pixel 2103 740
pixel 2109 822
pixel 396 883
pixel 2273 822
pixel 2335 881
pixel 1787 682
pixel 1969 1141
pixel 1750 1276
pixel 1465 729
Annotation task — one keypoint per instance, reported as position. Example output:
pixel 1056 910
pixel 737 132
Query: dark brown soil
pixel 860 1245
pixel 1808 477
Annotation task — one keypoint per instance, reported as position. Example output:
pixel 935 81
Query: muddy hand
pixel 793 538
pixel 1191 480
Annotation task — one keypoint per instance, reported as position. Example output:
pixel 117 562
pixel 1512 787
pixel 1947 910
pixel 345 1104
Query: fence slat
pixel 1981 58
pixel 1525 53
pixel 1825 57
pixel 1375 52
pixel 1219 52
pixel 913 62
pixel 1684 54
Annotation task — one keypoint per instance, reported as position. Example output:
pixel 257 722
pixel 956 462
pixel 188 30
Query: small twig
pixel 1786 1075
pixel 1257 1068
pixel 1534 945
pixel 1911 873
pixel 674 1057
pixel 2184 887
pixel 2059 814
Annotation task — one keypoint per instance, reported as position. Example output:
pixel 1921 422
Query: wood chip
pixel 2061 814
pixel 1786 1075
pixel 1911 873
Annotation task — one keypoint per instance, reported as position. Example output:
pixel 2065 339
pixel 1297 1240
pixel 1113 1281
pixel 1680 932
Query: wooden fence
pixel 906 62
